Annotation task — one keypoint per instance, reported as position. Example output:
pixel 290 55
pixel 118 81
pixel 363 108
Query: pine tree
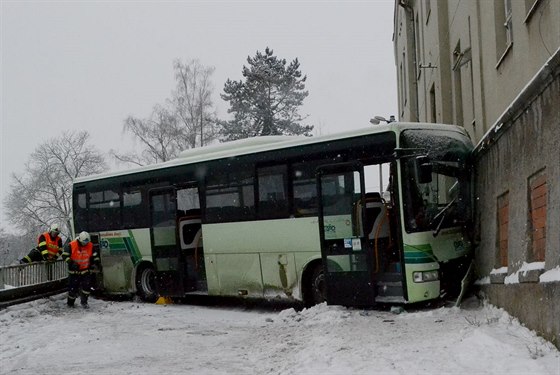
pixel 267 101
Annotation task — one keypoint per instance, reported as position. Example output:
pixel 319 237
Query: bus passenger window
pixel 80 212
pixel 163 210
pixel 104 210
pixel 133 211
pixel 188 203
pixel 273 202
pixel 230 196
pixel 305 190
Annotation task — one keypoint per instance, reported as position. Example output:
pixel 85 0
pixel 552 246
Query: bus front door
pixel 346 254
pixel 166 251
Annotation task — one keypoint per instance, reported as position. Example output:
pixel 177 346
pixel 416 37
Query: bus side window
pixel 273 192
pixel 81 213
pixel 305 189
pixel 104 210
pixel 230 196
pixel 133 211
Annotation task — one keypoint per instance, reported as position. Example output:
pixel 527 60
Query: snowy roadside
pixel 45 337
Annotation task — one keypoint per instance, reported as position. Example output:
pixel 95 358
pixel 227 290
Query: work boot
pixel 70 302
pixel 83 302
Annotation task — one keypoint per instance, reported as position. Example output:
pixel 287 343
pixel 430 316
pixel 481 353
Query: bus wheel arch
pixel 313 284
pixel 145 282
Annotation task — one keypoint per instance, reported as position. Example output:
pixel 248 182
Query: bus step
pixel 390 299
pixel 202 286
pixel 389 276
pixel 389 288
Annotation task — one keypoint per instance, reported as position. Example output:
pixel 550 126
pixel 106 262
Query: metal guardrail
pixel 25 282
pixel 33 273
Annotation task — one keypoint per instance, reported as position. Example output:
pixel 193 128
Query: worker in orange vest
pixel 49 247
pixel 81 257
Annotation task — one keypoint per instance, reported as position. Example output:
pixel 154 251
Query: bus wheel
pixel 146 283
pixel 316 288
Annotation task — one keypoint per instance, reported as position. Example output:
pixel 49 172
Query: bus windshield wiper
pixel 443 214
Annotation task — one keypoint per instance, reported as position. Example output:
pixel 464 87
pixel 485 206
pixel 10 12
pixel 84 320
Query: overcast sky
pixel 88 65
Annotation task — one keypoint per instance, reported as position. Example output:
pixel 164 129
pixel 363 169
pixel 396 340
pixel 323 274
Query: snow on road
pixel 45 337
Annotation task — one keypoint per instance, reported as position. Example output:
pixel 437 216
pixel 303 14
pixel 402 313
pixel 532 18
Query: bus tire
pixel 146 283
pixel 316 288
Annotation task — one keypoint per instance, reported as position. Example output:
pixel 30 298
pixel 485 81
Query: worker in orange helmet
pixel 81 257
pixel 49 247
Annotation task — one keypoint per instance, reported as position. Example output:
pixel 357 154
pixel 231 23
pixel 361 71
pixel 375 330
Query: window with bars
pixel 537 216
pixel 503 227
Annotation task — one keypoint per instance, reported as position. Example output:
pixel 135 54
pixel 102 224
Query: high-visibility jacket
pixel 81 255
pixel 49 247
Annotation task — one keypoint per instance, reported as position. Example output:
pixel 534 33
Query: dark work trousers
pixel 78 284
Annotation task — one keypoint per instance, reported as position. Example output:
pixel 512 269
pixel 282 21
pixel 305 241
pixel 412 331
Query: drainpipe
pixel 412 49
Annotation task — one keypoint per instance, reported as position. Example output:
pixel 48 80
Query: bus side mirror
pixel 423 169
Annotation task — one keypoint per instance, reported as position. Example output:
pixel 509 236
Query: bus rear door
pixel 346 253
pixel 166 251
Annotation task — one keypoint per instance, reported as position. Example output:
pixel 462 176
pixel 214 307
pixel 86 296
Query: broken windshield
pixel 442 202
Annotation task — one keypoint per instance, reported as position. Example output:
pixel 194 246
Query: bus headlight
pixel 424 276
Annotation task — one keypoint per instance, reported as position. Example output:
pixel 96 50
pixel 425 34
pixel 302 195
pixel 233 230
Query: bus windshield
pixel 440 201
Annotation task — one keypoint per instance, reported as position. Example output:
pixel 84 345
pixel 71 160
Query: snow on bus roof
pixel 261 144
pixel 254 141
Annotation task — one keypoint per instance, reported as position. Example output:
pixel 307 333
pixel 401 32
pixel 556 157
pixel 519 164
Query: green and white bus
pixel 376 215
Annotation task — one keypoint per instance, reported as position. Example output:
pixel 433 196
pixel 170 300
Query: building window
pixel 503 224
pixel 458 84
pixel 530 7
pixel 504 28
pixel 508 24
pixel 433 110
pixel 404 83
pixel 401 88
pixel 428 7
pixel 418 50
pixel 537 216
pixel 470 82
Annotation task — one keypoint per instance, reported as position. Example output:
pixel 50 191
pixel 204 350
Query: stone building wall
pixel 517 195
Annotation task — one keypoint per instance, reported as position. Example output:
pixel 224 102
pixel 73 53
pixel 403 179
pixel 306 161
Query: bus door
pixel 190 237
pixel 346 253
pixel 166 251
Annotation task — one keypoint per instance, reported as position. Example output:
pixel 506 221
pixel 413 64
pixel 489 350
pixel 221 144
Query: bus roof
pixel 266 143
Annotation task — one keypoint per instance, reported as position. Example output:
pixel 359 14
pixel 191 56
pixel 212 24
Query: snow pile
pixel 550 275
pixel 525 267
pixel 317 315
pixel 46 337
pixel 499 271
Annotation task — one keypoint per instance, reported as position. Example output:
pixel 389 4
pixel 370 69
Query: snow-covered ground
pixel 46 337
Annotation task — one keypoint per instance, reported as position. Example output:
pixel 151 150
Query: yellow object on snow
pixel 164 301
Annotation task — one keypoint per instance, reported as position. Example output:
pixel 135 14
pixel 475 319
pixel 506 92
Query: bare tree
pixel 192 103
pixel 158 136
pixel 188 119
pixel 42 193
pixel 14 246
